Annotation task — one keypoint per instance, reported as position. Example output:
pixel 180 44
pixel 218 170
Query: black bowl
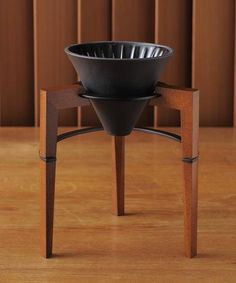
pixel 119 68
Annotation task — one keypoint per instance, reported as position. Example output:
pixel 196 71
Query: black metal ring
pixel 159 133
pixel 140 129
pixel 78 132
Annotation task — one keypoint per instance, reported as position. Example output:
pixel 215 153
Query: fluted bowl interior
pixel 119 68
pixel 120 50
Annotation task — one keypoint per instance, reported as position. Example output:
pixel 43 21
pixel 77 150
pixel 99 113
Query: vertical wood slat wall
pixel 94 24
pixel 54 29
pixel 135 20
pixel 213 60
pixel 173 28
pixel 16 63
pixel 34 33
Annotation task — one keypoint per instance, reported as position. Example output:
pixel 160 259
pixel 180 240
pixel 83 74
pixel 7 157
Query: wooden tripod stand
pixel 52 100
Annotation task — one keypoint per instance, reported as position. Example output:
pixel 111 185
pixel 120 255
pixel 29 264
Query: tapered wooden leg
pixel 155 116
pixel 118 172
pixel 190 128
pixel 190 213
pixel 48 142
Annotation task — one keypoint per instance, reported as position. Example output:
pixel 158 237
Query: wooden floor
pixel 90 244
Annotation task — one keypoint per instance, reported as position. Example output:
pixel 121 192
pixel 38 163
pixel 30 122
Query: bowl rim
pixel 169 54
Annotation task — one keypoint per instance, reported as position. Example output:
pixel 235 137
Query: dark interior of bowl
pixel 120 50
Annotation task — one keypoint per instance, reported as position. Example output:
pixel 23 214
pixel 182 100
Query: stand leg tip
pixel 47 254
pixel 190 253
pixel 118 212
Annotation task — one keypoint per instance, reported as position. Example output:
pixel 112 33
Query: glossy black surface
pixel 119 69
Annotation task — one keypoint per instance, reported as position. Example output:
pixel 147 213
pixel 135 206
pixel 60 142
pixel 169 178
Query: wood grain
pixel 234 96
pixel 118 191
pixel 91 245
pixel 30 60
pixel 173 28
pixel 139 27
pixel 190 140
pixel 187 102
pixel 94 24
pixel 54 29
pixel 133 20
pixel 16 63
pixel 47 148
pixel 51 101
pixel 213 60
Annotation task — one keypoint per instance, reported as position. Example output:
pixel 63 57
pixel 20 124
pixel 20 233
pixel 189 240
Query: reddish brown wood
pixel 48 142
pixel 213 60
pixel 54 29
pixel 173 28
pixel 118 175
pixel 184 100
pixel 51 100
pixel 31 28
pixel 67 96
pixel 234 96
pixel 141 28
pixel 97 29
pixel 187 101
pixel 134 20
pixel 190 128
pixel 16 63
pixel 190 212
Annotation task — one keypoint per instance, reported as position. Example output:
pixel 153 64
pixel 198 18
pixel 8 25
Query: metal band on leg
pixel 47 159
pixel 190 159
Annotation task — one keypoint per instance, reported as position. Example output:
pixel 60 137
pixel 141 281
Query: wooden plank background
pixel 54 29
pixel 16 63
pixel 173 24
pixel 34 34
pixel 213 60
pixel 94 23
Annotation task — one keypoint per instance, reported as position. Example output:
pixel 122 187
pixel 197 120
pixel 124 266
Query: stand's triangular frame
pixel 54 99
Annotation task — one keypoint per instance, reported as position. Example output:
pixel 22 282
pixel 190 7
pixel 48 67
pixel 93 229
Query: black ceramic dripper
pixel 120 78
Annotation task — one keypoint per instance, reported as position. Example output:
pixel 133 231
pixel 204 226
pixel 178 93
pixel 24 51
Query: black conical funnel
pixel 118 117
